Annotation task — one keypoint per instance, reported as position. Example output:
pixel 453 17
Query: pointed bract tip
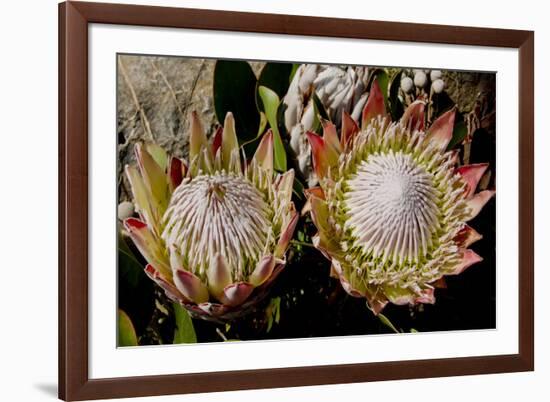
pixel 264 152
pixel 237 293
pixel 375 104
pixel 318 153
pixel 230 144
pixel 190 286
pixel 441 131
pixel 349 129
pixel 413 118
pixel 472 174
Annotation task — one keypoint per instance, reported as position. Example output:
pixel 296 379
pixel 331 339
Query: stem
pixel 220 333
pixel 385 320
pixel 139 108
pixel 302 243
pixel 170 89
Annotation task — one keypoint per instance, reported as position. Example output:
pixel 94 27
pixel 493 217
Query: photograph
pixel 275 201
pixel 262 200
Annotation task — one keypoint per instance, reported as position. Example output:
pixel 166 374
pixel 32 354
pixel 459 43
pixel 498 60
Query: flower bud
pixel 125 210
pixel 435 74
pixel 407 84
pixel 420 79
pixel 438 86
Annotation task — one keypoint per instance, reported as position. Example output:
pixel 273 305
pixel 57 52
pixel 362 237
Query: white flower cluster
pixel 338 88
pixel 420 80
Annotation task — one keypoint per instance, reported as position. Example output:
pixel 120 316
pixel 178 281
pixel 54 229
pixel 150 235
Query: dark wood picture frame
pixel 74 382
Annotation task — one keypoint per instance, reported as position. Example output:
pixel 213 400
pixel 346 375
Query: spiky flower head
pixel 338 89
pixel 214 232
pixel 392 205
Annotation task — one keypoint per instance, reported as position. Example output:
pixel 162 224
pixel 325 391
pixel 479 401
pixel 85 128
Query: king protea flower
pixel 392 207
pixel 338 89
pixel 215 232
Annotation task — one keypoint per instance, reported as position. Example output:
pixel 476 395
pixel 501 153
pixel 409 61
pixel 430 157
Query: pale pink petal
pixel 467 236
pixel 441 131
pixel 375 105
pixel 263 270
pixel 171 291
pixel 332 143
pixel 190 286
pixel 453 157
pixel 350 289
pixel 197 138
pixel 472 174
pixel 426 297
pixel 285 182
pixel 153 176
pixel 264 152
pixel 337 267
pixel 413 118
pixel 469 258
pixel 146 243
pixel 478 201
pixel 230 144
pixel 314 192
pixel 237 293
pixel 219 275
pixel 286 236
pixel 376 303
pixel 349 129
pixel 320 163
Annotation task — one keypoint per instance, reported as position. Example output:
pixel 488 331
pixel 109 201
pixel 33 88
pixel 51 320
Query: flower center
pixel 221 213
pixel 392 207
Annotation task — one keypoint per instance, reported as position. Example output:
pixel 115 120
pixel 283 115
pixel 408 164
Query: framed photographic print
pixel 259 200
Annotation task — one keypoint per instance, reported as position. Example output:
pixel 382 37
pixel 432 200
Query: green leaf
pixel 383 81
pixel 158 154
pixel 319 108
pixel 396 107
pixel 185 331
pixel 319 112
pixel 385 320
pixel 298 188
pixel 459 133
pixel 126 332
pixel 250 146
pixel 130 269
pixel 235 91
pixel 135 289
pixel 273 312
pixel 262 126
pixel 440 104
pixel 295 67
pixel 275 76
pixel 271 103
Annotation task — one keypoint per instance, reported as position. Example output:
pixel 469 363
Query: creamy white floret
pixel 218 214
